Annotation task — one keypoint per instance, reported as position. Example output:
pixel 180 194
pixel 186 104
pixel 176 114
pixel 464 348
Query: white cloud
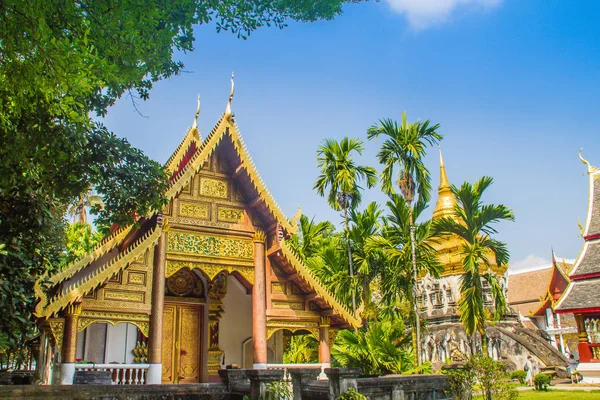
pixel 530 262
pixel 422 14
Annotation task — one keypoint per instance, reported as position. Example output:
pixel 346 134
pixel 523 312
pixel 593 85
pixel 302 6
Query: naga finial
pixel 590 168
pixel 296 217
pixel 581 230
pixel 228 112
pixel 195 124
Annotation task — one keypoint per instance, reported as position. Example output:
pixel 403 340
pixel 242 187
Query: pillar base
pixel 67 373
pixel 154 375
pixel 259 366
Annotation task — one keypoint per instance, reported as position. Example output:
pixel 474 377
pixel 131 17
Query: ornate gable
pixel 583 292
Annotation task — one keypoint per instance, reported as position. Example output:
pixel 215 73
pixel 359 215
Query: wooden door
pixel 181 343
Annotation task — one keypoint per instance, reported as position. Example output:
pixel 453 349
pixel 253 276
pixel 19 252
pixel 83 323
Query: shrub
pixel 459 380
pixel 542 381
pixel 519 375
pixel 280 390
pixel 351 394
pixel 490 376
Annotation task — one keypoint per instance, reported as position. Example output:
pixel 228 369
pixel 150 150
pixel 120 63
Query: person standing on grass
pixel 528 367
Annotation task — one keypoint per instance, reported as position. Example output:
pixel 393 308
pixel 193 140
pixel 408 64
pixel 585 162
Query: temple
pixel 534 294
pixel 582 295
pixel 207 282
pixel 445 337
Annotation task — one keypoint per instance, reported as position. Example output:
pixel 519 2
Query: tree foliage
pixel 60 63
pixel 403 150
pixel 394 245
pixel 474 223
pixel 383 348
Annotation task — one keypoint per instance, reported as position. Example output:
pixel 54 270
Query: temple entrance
pixel 183 328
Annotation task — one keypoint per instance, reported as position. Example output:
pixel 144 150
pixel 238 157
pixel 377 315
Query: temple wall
pixel 236 323
pixel 104 343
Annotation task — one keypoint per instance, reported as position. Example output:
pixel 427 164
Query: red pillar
pixel 259 313
pixel 324 347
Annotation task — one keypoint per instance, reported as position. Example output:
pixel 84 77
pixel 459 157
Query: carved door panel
pixel 189 339
pixel 181 343
pixel 168 344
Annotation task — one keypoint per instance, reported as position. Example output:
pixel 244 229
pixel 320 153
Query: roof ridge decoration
pixel 228 112
pixel 48 307
pixel 317 286
pixel 191 135
pixel 77 265
pixel 227 125
pixel 590 168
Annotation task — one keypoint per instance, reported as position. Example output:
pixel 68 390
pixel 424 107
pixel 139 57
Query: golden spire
pixel 590 168
pixel 228 112
pixel 444 206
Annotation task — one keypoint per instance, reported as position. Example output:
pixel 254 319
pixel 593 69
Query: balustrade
pixel 121 374
pixel 286 367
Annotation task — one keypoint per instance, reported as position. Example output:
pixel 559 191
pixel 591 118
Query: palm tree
pixel 363 226
pixel 474 222
pixel 308 240
pixel 78 210
pixel 395 245
pixel 340 176
pixel 404 149
pixel 383 348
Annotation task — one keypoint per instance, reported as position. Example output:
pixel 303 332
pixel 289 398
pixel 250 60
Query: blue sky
pixel 514 85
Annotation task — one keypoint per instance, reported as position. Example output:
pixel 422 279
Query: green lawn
pixel 559 395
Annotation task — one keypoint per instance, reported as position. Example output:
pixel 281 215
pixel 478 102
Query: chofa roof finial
pixel 590 168
pixel 228 112
pixel 195 124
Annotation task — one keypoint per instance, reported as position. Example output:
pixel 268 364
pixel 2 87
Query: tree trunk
pixel 415 289
pixel 350 266
pixel 484 347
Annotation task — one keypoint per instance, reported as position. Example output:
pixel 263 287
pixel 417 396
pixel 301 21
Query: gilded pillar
pixel 69 348
pixel 324 347
pixel 216 292
pixel 259 302
pixel 69 344
pixel 156 316
pixel 585 353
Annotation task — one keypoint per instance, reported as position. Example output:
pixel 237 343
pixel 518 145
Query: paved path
pixel 581 387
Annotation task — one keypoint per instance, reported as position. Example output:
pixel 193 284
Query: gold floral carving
pixel 259 236
pixel 74 309
pixel 209 245
pixel 210 270
pixel 57 328
pixel 136 278
pixel 137 297
pixel 87 318
pixel 293 326
pixel 230 214
pixel 213 187
pixel 277 287
pixel 287 305
pixel 214 361
pixel 325 322
pixel 195 210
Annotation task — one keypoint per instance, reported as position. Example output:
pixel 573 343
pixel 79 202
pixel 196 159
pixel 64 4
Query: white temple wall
pixel 103 343
pixel 236 323
pixel 120 342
